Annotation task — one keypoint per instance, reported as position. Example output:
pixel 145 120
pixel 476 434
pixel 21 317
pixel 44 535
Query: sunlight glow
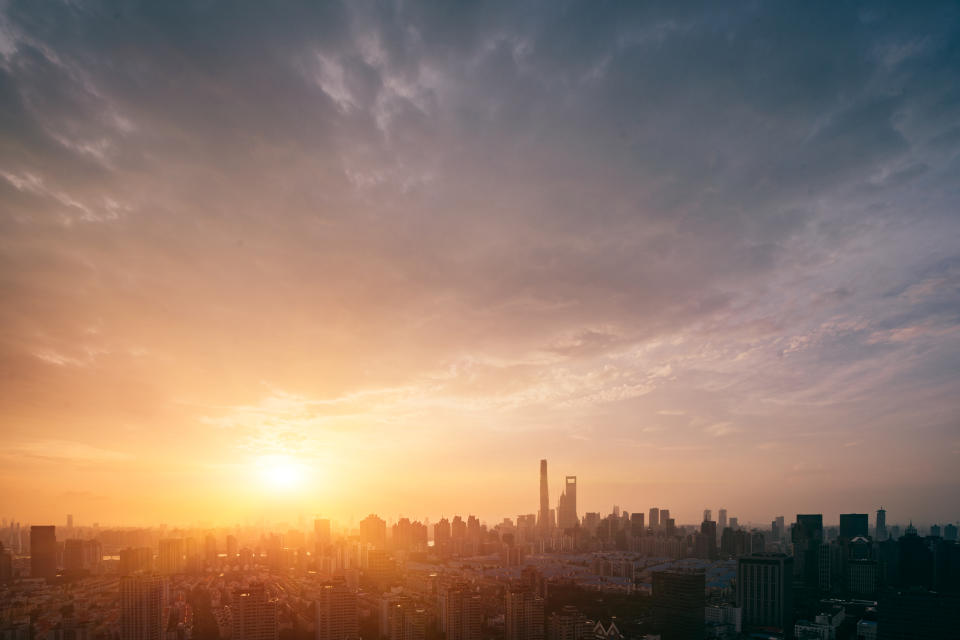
pixel 281 473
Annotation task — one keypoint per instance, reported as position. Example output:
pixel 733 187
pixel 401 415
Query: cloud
pixel 490 219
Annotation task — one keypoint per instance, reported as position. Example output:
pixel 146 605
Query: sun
pixel 281 473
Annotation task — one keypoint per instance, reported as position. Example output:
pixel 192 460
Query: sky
pixel 341 258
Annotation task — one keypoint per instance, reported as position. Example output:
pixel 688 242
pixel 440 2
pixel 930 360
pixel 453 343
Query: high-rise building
pixel 654 518
pixel 678 604
pixel 405 620
pixel 567 508
pixel 171 556
pixel 373 531
pixel 722 520
pixel 765 593
pixel 664 517
pixel 43 551
pixel 321 533
pixel 460 612
pixel 568 624
pixel 254 614
pixel 854 525
pixel 708 540
pixel 781 527
pixel 807 536
pixel 544 514
pixel 73 555
pixel 523 619
pixel 734 523
pixel 337 613
pixel 707 515
pixel 141 607
pixel 881 524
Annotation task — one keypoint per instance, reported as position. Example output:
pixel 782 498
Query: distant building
pixel 853 525
pixel 543 517
pixel 141 607
pixel 765 593
pixel 678 604
pixel 567 508
pixel 654 518
pixel 373 532
pixel 43 551
pixel 881 524
pixel 172 559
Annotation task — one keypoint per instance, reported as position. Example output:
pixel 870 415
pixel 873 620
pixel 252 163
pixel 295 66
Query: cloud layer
pixel 695 255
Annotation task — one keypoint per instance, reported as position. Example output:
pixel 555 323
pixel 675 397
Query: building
pixel 460 613
pixel 722 519
pixel 678 604
pixel 141 607
pixel 373 532
pixel 43 551
pixel 654 518
pixel 917 614
pixel 171 559
pixel 567 508
pixel 337 613
pixel 523 619
pixel 807 536
pixel 254 614
pixel 404 620
pixel 881 524
pixel 765 593
pixel 543 516
pixel 568 624
pixel 854 525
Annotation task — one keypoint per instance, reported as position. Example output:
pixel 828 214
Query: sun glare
pixel 281 473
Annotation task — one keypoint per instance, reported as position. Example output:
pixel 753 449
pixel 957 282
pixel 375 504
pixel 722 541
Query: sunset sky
pixel 383 257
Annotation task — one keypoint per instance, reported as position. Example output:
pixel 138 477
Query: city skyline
pixel 357 257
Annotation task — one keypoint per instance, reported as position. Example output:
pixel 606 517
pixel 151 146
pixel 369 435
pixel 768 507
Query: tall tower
pixel 567 509
pixel 544 499
pixel 881 524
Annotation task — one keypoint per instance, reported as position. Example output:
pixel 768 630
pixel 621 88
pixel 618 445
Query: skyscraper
pixel 807 536
pixel 853 525
pixel 678 603
pixel 254 614
pixel 567 508
pixel 881 524
pixel 765 593
pixel 141 607
pixel 654 518
pixel 544 514
pixel 722 519
pixel 43 551
pixel 337 613
pixel 707 515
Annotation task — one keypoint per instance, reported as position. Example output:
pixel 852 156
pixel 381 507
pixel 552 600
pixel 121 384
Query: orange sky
pixel 408 252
